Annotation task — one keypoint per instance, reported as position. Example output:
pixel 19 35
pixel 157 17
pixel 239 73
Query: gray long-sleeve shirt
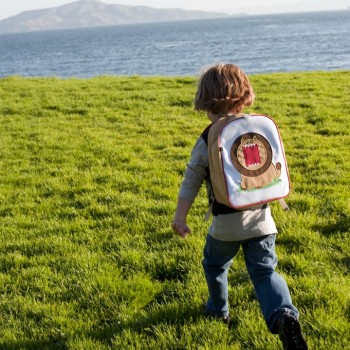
pixel 237 226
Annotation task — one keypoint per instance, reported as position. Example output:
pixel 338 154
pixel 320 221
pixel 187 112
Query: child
pixel 225 90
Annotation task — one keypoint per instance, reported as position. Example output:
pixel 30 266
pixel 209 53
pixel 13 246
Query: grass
pixel 89 174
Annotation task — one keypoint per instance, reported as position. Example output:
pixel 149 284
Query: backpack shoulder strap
pixel 205 133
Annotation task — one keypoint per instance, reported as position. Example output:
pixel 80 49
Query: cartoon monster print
pixel 251 155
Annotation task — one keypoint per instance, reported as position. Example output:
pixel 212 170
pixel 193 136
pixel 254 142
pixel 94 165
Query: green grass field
pixel 89 175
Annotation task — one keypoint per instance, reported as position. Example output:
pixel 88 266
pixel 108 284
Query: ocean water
pixel 259 44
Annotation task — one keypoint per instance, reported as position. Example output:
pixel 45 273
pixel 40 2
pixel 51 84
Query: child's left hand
pixel 181 228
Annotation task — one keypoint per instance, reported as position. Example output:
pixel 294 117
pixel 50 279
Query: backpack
pixel 247 163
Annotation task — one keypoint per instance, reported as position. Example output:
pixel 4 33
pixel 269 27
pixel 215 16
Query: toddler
pixel 225 90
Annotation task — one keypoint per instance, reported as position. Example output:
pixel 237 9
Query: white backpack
pixel 247 163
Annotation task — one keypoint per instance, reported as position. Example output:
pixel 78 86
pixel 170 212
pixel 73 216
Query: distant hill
pixel 93 13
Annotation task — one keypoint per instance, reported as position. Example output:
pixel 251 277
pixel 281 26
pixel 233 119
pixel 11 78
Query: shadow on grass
pixel 33 345
pixel 342 225
pixel 147 322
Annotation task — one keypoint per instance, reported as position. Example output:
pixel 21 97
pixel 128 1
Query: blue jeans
pixel 261 260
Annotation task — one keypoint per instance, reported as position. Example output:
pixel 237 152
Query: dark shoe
pixel 225 319
pixel 290 333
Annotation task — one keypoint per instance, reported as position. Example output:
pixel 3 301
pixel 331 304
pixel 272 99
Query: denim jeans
pixel 261 260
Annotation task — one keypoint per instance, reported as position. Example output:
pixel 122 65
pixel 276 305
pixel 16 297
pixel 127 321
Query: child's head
pixel 223 88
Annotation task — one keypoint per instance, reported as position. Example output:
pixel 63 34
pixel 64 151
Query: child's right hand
pixel 181 228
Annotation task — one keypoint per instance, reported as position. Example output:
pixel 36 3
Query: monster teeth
pixel 251 155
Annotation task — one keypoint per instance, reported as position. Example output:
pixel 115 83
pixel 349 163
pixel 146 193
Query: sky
pixel 10 8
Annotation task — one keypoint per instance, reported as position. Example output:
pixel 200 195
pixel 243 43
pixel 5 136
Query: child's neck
pixel 214 117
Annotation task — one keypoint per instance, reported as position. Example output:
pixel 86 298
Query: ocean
pixel 259 44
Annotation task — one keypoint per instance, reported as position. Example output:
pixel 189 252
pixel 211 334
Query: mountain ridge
pixel 94 13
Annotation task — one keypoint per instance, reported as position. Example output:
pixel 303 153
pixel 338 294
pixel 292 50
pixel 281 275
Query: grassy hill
pixel 89 174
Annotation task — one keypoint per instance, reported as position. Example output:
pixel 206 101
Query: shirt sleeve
pixel 196 171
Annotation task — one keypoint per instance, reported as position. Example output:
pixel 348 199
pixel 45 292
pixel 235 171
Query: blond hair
pixel 223 88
